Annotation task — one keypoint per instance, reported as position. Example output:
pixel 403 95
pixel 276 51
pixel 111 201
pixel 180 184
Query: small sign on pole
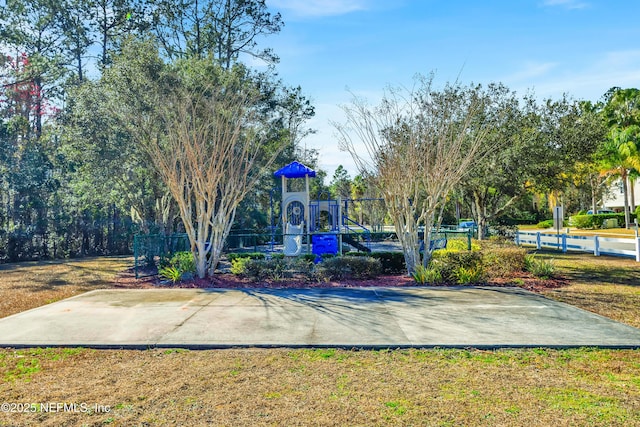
pixel 558 218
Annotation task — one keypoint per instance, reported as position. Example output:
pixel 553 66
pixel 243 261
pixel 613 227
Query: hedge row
pixel 335 268
pixel 597 221
pixel 390 262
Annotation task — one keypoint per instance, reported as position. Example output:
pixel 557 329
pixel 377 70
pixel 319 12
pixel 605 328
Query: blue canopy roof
pixel 295 170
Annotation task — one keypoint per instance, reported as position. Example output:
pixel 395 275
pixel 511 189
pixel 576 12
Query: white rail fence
pixel 598 245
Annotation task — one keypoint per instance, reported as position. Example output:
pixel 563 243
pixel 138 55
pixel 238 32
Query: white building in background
pixel 614 200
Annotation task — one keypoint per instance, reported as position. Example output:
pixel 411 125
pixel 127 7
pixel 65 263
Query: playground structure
pixel 307 226
pixel 326 221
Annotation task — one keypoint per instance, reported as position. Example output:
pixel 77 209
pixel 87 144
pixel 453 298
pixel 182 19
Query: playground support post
pixel 306 213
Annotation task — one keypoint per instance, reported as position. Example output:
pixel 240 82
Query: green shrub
pixel 497 241
pixel 596 221
pixel 355 253
pixel 457 245
pixel 308 257
pixel 334 268
pixel 500 261
pixel 262 269
pixel 582 221
pixel 348 267
pixel 184 261
pixel 541 268
pixel 427 275
pixel 239 266
pixel 465 259
pixel 276 268
pixel 306 267
pixel 177 266
pixel 545 224
pixel 364 268
pixel 447 262
pixel 181 260
pixel 469 276
pixel 252 255
pixel 462 244
pixel 391 262
pixel 170 273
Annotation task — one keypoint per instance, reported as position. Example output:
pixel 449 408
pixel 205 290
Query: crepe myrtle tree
pixel 417 145
pixel 213 151
pixel 205 134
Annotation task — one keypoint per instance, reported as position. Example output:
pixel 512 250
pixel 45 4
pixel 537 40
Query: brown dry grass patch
pixel 608 286
pixel 330 387
pixel 32 284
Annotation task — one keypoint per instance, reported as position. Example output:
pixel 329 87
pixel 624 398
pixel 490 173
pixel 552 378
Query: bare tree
pixel 418 144
pixel 205 130
pixel 211 154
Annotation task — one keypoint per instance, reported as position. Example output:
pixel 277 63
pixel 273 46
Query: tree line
pixel 485 147
pixel 535 154
pixel 127 116
pixel 77 173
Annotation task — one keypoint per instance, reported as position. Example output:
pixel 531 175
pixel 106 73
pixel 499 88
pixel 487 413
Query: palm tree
pixel 620 160
pixel 622 147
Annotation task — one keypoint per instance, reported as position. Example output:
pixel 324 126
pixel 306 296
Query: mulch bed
pixel 127 280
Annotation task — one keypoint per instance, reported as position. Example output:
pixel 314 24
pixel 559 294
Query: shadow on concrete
pixel 348 306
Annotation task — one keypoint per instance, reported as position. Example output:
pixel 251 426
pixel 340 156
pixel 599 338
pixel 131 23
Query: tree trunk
pixel 479 213
pixel 80 75
pixel 39 111
pixel 200 256
pixel 594 200
pixel 427 251
pixel 632 193
pixel 625 192
pixel 197 30
pixel 406 230
pixel 222 226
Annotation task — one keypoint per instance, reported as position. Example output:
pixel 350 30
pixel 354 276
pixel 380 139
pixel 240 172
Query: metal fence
pixel 149 248
pixel 378 241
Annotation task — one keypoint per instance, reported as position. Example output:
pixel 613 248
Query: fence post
pixel 538 241
pixel 596 245
pixel 637 249
pixel 469 238
pixel 564 243
pixel 517 238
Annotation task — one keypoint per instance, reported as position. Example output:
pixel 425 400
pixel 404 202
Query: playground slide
pixel 346 238
pixel 293 239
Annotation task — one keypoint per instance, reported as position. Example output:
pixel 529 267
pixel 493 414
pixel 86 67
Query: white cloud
pixel 582 80
pixel 568 4
pixel 317 8
pixel 617 68
pixel 531 70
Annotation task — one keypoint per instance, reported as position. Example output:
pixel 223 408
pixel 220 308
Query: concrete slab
pixel 324 317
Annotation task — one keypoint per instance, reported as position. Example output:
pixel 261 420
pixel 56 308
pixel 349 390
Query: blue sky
pixel 334 47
